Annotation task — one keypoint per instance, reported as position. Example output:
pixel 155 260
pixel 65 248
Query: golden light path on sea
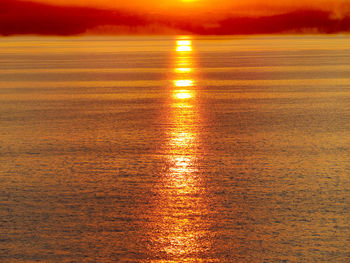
pixel 181 231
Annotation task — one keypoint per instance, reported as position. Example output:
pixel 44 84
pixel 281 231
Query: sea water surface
pixel 175 149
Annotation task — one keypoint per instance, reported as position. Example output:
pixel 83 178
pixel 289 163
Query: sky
pixel 224 6
pixel 71 17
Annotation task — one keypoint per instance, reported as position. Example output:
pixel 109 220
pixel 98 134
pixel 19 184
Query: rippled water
pixel 175 149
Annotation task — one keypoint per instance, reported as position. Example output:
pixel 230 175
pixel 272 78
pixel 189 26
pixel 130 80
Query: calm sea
pixel 175 149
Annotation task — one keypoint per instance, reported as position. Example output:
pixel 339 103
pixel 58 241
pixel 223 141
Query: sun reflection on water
pixel 183 82
pixel 183 94
pixel 183 70
pixel 181 229
pixel 184 48
pixel 184 45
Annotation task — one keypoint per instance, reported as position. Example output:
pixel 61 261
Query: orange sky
pixel 207 17
pixel 230 6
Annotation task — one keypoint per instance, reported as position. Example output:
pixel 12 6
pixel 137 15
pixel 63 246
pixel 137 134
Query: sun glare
pixel 183 70
pixel 184 45
pixel 183 48
pixel 183 83
pixel 183 94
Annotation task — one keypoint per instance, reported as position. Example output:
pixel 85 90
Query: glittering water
pixel 175 149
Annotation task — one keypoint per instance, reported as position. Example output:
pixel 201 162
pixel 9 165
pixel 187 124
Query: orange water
pixel 175 149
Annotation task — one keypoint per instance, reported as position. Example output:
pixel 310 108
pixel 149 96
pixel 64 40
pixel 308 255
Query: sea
pixel 175 149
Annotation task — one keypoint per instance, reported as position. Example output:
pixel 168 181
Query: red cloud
pixel 19 17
